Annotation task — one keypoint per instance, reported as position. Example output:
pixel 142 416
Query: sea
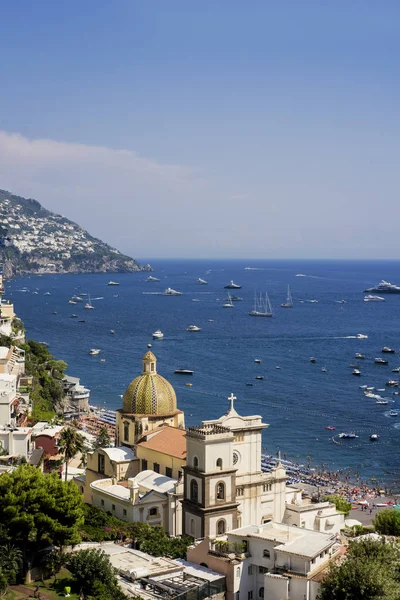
pixel 298 400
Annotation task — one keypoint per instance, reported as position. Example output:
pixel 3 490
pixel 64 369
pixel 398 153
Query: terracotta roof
pixel 167 440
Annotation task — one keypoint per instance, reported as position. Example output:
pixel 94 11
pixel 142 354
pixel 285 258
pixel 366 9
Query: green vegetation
pixel 71 442
pixel 103 439
pixel 37 511
pixel 100 526
pixel 342 505
pixel 47 372
pixel 387 522
pixel 94 574
pixel 370 571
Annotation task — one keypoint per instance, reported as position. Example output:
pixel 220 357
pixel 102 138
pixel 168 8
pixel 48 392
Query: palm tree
pixel 71 442
pixel 10 561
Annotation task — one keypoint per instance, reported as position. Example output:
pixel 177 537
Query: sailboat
pixel 289 299
pixel 89 304
pixel 228 303
pixel 262 307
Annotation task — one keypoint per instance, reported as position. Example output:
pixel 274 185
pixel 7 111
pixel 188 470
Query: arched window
pixel 204 565
pixel 266 554
pixel 126 431
pixel 196 462
pixel 192 527
pixel 153 367
pixel 261 592
pixel 219 463
pixel 238 572
pixel 220 491
pixel 221 527
pixel 194 490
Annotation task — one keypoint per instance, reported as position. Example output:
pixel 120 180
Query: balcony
pixel 226 549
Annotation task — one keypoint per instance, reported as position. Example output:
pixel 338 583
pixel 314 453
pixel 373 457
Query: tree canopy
pixel 387 522
pixel 103 439
pixel 90 567
pixel 370 571
pixel 71 442
pixel 342 505
pixel 38 510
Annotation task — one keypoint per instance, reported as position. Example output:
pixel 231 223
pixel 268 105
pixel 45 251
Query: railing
pixel 224 548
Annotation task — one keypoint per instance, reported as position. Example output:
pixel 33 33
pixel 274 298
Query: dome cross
pixel 232 399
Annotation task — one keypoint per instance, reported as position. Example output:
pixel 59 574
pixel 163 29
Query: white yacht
pixel 193 328
pixel 262 307
pixel 361 336
pixel 384 287
pixel 170 292
pixel 232 286
pixel 289 299
pixel 77 299
pixel 151 278
pixel 371 298
pixel 113 283
pixel 158 335
pixel 374 437
pixel 71 301
pixel 201 281
pixel 228 303
pixel 89 305
pixel 94 351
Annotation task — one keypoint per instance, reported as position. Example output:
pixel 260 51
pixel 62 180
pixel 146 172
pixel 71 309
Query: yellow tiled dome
pixel 149 394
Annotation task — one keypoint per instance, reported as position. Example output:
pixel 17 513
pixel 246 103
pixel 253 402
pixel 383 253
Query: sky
pixel 212 129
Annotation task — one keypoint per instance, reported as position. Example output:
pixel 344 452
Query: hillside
pixel 35 240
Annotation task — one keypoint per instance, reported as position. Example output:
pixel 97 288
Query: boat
pixel 371 298
pixel 236 298
pixel 74 316
pixel 47 294
pixel 382 402
pixel 392 383
pixel 249 384
pixel 112 331
pixel 289 299
pixel 374 437
pixel 358 355
pixel 102 360
pixel 278 367
pixel 363 387
pixel 396 370
pixel 188 384
pixel 323 369
pixel 262 307
pixel 113 283
pixel 388 350
pixel 393 413
pixel 384 287
pixel 257 360
pixel 77 299
pixel 81 321
pixel 348 436
pixel 193 328
pixel 183 372
pixel 71 302
pixel 151 278
pixel 357 372
pixel 232 286
pixel 54 312
pixel 94 351
pixel 201 281
pixel 361 336
pixel 170 292
pixel 259 376
pixel 228 303
pixel 381 361
pixel 89 305
pixel 149 345
pixel 330 428
pixel 158 335
pixel 313 359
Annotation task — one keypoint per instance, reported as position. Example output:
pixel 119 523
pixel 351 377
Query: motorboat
pixel 102 360
pixel 71 302
pixel 358 355
pixel 228 303
pixel 330 428
pixel 313 359
pixel 74 316
pixel 259 376
pixel 388 350
pixel 193 328
pixel 54 312
pixel 188 384
pixel 113 283
pixel 393 413
pixel 381 361
pixel 392 383
pixel 278 367
pixel 236 298
pixel 396 370
pixel 262 307
pixel 201 281
pixel 384 287
pixel 47 294
pixel 356 372
pixel 348 436
pixel 371 298
pixel 361 336
pixel 112 331
pixel 77 299
pixel 151 278
pixel 289 300
pixel 81 321
pixel 382 402
pixel 374 437
pixel 232 286
pixel 158 335
pixel 323 369
pixel 94 351
pixel 249 384
pixel 170 292
pixel 354 365
pixel 257 360
pixel 363 387
pixel 183 372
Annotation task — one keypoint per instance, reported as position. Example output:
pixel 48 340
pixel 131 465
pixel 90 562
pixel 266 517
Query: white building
pixel 16 441
pixel 147 498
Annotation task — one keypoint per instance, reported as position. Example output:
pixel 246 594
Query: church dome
pixel 149 394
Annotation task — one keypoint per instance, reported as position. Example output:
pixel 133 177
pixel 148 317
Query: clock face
pixel 235 458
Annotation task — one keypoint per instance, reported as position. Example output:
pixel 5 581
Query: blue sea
pixel 298 400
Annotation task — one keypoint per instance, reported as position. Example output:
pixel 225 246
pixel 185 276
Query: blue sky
pixel 201 129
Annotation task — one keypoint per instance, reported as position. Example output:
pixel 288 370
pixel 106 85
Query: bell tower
pixel 209 505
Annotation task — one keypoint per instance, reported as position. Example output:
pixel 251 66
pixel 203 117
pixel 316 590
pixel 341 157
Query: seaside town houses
pixel 250 526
